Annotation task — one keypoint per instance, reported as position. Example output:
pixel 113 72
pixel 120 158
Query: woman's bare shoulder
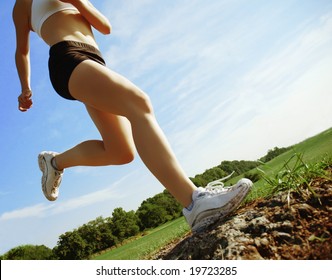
pixel 21 10
pixel 22 6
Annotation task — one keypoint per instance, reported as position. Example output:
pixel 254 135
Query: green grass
pixel 313 150
pixel 285 172
pixel 142 247
pixel 296 176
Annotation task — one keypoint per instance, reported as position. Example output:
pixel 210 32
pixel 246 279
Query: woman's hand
pixel 25 101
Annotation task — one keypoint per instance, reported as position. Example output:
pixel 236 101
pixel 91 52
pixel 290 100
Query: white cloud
pixel 85 200
pixel 27 212
pixel 44 210
pixel 279 69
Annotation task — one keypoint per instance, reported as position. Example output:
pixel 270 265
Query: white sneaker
pixel 51 178
pixel 214 203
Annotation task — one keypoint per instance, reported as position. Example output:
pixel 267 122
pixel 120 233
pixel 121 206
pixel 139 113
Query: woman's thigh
pixel 103 89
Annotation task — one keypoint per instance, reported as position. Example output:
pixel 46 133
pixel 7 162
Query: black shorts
pixel 64 57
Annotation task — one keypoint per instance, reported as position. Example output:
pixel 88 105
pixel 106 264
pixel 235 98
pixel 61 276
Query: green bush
pixel 29 252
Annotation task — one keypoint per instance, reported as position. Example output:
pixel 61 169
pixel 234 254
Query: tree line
pixel 103 233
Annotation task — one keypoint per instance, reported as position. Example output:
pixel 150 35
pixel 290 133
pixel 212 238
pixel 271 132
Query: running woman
pixel 121 111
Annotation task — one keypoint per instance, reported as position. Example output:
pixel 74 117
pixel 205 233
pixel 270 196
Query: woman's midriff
pixel 67 26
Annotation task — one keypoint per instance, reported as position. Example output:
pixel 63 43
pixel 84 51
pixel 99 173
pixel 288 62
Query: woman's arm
pixel 92 15
pixel 22 54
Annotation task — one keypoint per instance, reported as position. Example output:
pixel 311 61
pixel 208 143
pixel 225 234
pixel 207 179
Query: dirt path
pixel 266 229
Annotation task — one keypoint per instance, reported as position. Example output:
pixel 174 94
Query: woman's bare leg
pixel 106 91
pixel 116 148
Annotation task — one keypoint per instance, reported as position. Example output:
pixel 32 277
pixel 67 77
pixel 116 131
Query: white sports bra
pixel 41 10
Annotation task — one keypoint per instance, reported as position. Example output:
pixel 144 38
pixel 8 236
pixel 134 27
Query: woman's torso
pixel 66 25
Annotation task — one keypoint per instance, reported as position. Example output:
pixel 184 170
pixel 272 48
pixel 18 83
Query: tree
pixel 151 215
pixel 29 252
pixel 157 210
pixel 272 153
pixel 209 175
pixel 88 239
pixel 107 239
pixel 239 167
pixel 172 206
pixel 71 246
pixel 124 224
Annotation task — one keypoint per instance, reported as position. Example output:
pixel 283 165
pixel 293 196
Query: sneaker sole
pixel 43 166
pixel 209 217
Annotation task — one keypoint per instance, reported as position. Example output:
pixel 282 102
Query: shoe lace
pixel 217 184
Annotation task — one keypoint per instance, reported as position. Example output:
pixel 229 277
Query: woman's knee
pixel 140 106
pixel 123 158
pixel 119 155
pixel 120 158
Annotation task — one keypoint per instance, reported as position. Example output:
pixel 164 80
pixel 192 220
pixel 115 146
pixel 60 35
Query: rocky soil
pixel 272 229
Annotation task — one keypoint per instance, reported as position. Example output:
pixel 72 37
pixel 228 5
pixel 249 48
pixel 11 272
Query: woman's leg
pixel 116 148
pixel 100 88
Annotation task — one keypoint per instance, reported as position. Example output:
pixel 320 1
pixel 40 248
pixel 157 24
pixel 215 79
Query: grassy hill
pixel 148 243
pixel 312 150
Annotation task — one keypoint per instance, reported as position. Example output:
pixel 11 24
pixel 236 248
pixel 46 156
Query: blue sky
pixel 228 80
